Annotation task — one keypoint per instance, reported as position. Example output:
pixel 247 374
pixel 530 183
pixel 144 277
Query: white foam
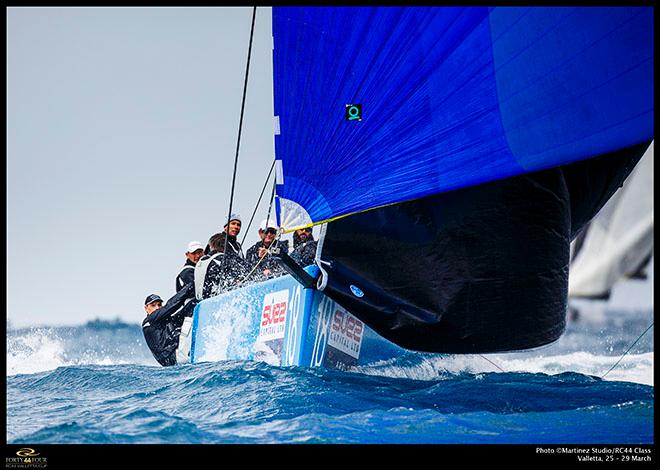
pixel 636 368
pixel 229 324
pixel 41 350
pixel 34 352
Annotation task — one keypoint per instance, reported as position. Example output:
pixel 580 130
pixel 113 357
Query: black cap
pixel 152 298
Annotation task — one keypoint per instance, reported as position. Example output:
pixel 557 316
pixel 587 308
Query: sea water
pixel 98 384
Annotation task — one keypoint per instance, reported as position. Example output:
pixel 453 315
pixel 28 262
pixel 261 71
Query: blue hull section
pixel 282 323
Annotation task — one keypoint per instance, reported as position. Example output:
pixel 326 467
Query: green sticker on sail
pixel 353 112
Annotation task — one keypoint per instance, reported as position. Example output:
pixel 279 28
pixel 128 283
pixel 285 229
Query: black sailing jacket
pixel 162 328
pixel 186 276
pixel 220 274
pixel 269 262
pixel 305 253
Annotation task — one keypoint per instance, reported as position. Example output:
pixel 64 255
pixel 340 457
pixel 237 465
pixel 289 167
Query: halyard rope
pixel 258 202
pixel 240 128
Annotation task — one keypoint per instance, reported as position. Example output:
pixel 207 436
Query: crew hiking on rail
pixel 210 271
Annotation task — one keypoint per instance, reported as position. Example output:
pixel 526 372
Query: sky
pixel 121 136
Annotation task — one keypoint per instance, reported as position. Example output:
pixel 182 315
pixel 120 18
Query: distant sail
pixel 618 242
pixel 641 273
pixel 450 97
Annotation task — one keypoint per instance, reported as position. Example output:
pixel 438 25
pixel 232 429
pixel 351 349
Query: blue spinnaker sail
pixel 450 97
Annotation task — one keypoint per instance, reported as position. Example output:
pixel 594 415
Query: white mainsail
pixel 618 242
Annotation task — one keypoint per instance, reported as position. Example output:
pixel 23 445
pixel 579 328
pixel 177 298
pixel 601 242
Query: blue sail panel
pixel 451 97
pixel 573 82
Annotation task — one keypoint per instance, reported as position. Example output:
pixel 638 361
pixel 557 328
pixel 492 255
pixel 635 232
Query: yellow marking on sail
pixel 332 219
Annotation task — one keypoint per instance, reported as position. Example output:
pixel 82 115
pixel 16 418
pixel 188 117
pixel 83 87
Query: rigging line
pixel 275 242
pixel 240 127
pixel 268 252
pixel 247 276
pixel 628 350
pixel 270 206
pixel 258 202
pixel 484 357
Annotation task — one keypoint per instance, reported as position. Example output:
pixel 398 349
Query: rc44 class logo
pixel 26 458
pixel 27 452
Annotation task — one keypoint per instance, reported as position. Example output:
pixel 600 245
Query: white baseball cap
pixel 194 246
pixel 234 216
pixel 270 223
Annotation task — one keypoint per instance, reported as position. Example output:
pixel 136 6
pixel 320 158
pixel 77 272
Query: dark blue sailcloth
pixel 480 269
pixel 486 137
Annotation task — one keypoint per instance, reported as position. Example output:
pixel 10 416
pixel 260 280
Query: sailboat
pixel 618 243
pixel 450 156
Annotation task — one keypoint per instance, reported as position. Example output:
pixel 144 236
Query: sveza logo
pixel 27 458
pixel 346 334
pixel 273 316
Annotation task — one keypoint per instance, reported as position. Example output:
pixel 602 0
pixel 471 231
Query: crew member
pixel 162 326
pixel 231 229
pixel 216 272
pixel 304 247
pixel 187 274
pixel 259 252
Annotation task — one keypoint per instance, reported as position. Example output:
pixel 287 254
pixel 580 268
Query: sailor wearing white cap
pixel 234 216
pixel 259 252
pixel 193 254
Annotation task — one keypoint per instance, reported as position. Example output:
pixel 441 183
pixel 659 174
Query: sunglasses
pixel 272 231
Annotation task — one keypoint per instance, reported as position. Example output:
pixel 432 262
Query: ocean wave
pixel 252 402
pixel 34 350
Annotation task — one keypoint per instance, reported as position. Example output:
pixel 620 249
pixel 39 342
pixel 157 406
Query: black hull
pixel 476 270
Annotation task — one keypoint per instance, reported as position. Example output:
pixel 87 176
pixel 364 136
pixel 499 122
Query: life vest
pixel 200 272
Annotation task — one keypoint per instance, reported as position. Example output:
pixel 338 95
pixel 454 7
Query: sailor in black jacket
pixel 187 274
pixel 259 253
pixel 162 326
pixel 304 247
pixel 216 272
pixel 231 231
